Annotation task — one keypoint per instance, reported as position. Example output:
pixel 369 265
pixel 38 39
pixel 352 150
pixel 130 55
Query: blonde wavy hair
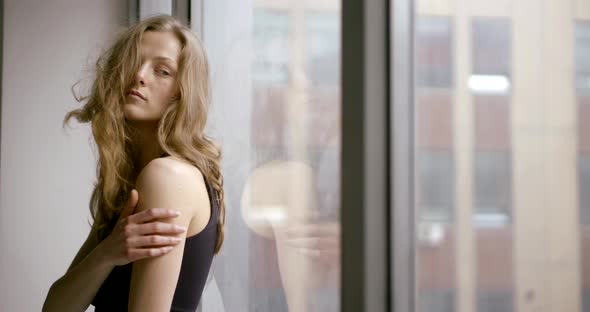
pixel 180 131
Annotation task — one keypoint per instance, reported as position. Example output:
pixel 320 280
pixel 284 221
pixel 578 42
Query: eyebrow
pixel 165 59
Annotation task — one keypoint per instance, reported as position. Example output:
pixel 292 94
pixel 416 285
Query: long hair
pixel 180 130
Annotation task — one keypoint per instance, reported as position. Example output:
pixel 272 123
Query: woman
pixel 148 108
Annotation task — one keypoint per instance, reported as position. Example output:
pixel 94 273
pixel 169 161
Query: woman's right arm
pixel 134 237
pixel 75 290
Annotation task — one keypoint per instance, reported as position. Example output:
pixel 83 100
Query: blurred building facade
pixel 502 142
pixel 502 146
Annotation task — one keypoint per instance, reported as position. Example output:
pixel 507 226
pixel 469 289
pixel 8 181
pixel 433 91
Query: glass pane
pixel 435 164
pixel 582 72
pixel 491 46
pixel 435 187
pixel 492 179
pixel 322 47
pixel 502 156
pixel 434 63
pixel 276 85
pixel 270 63
pixel 582 59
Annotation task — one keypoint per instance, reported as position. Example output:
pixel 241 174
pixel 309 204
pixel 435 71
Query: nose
pixel 140 76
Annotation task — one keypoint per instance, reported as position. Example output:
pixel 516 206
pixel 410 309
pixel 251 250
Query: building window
pixel 491 56
pixel 492 122
pixel 490 86
pixel 434 120
pixel 436 186
pixel 494 301
pixel 584 188
pixel 492 187
pixel 270 48
pixel 583 92
pixel 439 300
pixel 582 79
pixel 434 82
pixel 582 59
pixel 433 55
pixel 323 48
pixel 491 46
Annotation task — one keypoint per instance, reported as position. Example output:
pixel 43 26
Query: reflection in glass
pixel 271 41
pixel 291 197
pixel 287 200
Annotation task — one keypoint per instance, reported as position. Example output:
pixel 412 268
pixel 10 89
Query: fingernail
pixel 176 212
pixel 180 228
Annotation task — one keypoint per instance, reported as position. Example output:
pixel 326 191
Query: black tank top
pixel 113 294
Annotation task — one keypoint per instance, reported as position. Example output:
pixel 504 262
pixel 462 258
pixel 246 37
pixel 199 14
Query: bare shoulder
pixel 172 182
pixel 171 168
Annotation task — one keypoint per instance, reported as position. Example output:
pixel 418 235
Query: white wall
pixel 46 172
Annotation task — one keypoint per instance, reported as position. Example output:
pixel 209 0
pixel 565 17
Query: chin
pixel 133 113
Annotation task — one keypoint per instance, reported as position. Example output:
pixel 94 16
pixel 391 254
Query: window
pixel 498 301
pixel 582 81
pixel 433 55
pixel 436 300
pixel 582 59
pixel 491 46
pixel 491 56
pixel 490 92
pixel 435 192
pixel 322 48
pixel 584 188
pixel 492 122
pixel 271 47
pixel 489 84
pixel 275 168
pixel 433 107
pixel 492 187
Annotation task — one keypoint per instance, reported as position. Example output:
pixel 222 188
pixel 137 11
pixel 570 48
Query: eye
pixel 163 72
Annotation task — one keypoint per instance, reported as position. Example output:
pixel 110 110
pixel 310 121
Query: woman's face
pixel 155 81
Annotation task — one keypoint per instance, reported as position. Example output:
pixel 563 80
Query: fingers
pixel 319 241
pixel 137 254
pixel 153 228
pixel 152 241
pixel 313 229
pixel 131 204
pixel 133 199
pixel 328 255
pixel 153 214
pixel 314 242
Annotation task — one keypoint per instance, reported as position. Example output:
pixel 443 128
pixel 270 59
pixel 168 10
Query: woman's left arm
pixel 165 182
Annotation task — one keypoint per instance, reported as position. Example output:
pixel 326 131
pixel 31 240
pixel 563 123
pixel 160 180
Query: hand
pixel 140 235
pixel 318 241
pixel 314 245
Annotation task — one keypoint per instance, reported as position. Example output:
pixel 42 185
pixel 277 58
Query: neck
pixel 145 145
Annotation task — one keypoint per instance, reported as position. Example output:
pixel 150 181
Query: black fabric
pixel 113 294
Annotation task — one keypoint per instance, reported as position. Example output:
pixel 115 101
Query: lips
pixel 137 93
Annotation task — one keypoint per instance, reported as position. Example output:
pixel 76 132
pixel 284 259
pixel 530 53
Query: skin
pixel 156 81
pixel 278 203
pixel 151 237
